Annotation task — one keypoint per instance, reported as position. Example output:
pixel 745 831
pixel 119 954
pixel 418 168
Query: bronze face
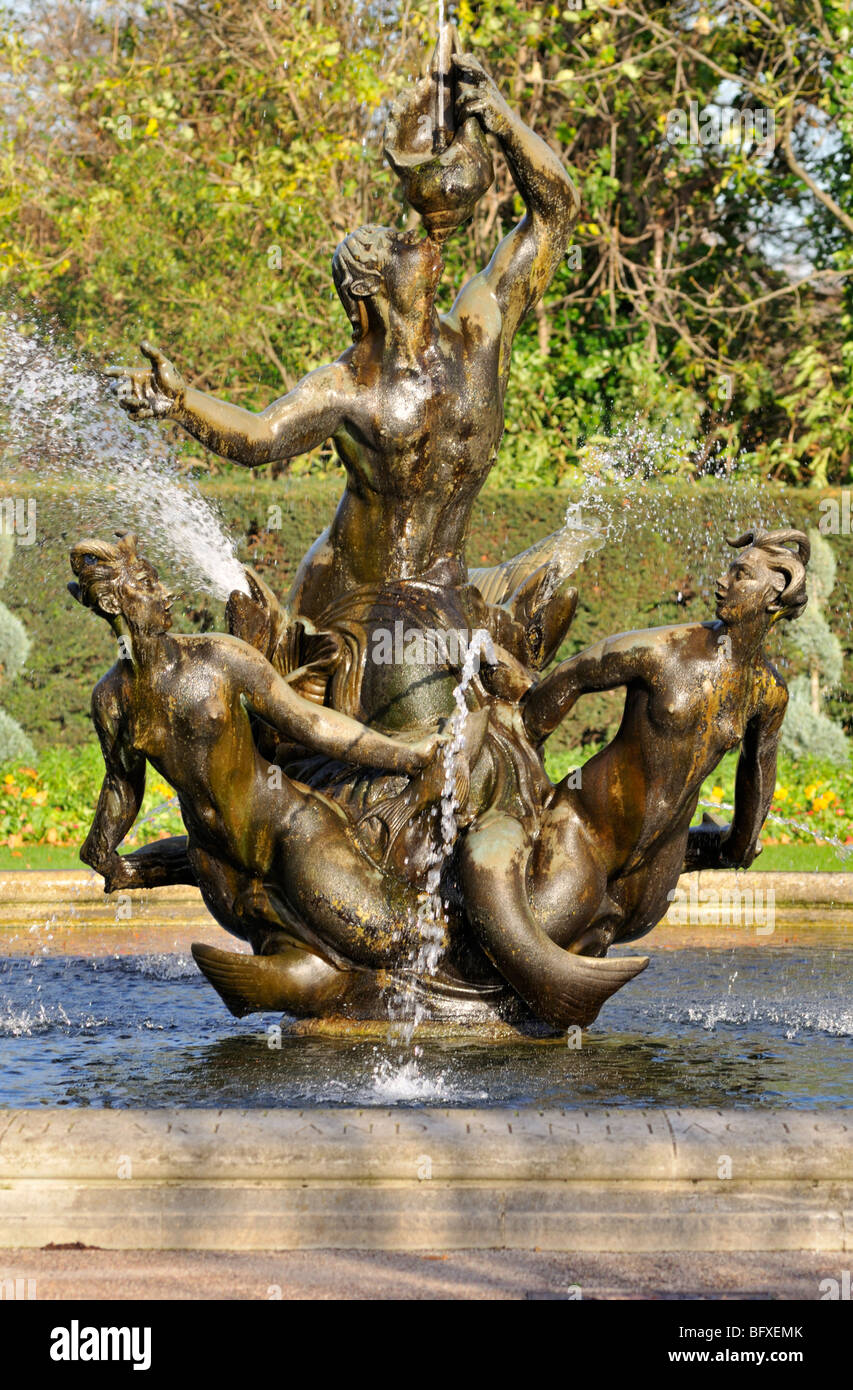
pixel 747 589
pixel 116 581
pixel 309 770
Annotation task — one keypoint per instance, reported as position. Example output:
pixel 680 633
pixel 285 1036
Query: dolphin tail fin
pixel 246 984
pixel 584 983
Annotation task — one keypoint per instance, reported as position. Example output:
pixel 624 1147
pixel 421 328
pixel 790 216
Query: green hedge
pixel 659 570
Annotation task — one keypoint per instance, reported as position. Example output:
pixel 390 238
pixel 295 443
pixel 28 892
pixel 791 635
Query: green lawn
pixel 39 857
pixel 805 858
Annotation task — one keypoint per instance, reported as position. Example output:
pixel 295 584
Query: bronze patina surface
pixel 313 761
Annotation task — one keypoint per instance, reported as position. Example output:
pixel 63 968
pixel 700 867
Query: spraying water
pixel 820 837
pixel 633 480
pixel 632 477
pixel 59 423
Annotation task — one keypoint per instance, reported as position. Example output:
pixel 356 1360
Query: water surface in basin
pixel 746 1026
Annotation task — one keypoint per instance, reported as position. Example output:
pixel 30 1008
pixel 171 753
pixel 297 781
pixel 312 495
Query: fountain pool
pixel 725 1026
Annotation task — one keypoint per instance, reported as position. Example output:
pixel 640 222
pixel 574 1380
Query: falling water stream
pixel 407 1007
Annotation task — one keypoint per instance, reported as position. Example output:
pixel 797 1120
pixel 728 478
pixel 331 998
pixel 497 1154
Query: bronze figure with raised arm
pixel 415 407
pixel 605 863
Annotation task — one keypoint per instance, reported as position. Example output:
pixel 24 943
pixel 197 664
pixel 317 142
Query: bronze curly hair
pixel 791 564
pixel 357 270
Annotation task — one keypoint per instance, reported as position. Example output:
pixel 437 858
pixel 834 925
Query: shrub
pixel 14 647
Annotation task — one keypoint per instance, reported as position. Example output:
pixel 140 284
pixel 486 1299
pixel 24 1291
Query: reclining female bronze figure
pixel 185 704
pixel 605 862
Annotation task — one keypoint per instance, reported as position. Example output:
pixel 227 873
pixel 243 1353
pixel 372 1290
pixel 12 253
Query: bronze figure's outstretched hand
pixel 706 846
pixel 426 750
pixel 709 846
pixel 148 393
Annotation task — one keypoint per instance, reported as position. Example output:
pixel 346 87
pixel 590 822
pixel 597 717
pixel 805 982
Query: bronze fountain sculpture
pixel 342 804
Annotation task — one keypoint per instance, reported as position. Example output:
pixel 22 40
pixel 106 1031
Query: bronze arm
pixel 120 797
pixel 602 667
pixel 161 864
pixel 294 424
pixel 755 785
pixel 151 866
pixel 525 261
pixel 326 730
pixel 714 846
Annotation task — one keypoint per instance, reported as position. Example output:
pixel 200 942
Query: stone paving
pixel 458 1274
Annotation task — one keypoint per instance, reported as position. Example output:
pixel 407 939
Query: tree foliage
pixel 184 170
